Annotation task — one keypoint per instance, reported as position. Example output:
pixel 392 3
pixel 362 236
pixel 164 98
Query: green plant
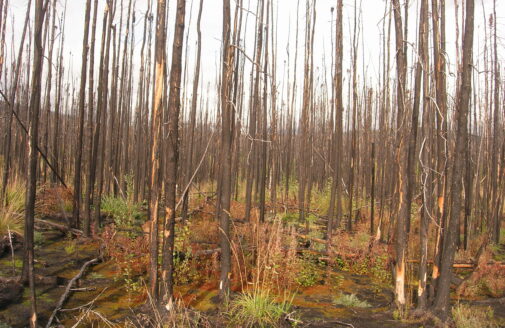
pixel 18 263
pixel 472 317
pixel 70 247
pixel 185 271
pixel 290 218
pixel 126 213
pixel 132 283
pixel 311 218
pixel 379 269
pixel 258 309
pixel 95 275
pixel 123 209
pixel 341 264
pixel 38 239
pixel 350 300
pixel 309 273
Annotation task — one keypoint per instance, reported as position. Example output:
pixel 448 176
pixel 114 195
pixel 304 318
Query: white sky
pixel 285 10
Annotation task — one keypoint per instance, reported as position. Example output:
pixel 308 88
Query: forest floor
pixel 109 295
pixel 61 258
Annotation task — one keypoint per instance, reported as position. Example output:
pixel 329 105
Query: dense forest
pixel 265 163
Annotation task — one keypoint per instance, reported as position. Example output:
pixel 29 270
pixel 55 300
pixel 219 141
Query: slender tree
pixel 402 158
pixel 82 101
pixel 155 153
pixel 174 107
pixel 226 153
pixel 441 304
pixel 31 181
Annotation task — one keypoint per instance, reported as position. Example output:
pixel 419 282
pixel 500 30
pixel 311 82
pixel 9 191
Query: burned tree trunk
pixel 174 107
pixel 155 156
pixel 31 181
pixel 82 101
pixel 441 305
pixel 227 119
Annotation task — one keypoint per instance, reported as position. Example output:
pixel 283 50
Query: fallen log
pixel 68 290
pixel 317 240
pixel 59 227
pixel 467 265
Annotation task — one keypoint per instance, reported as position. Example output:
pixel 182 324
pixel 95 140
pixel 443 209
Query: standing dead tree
pixel 441 305
pixel 174 107
pixel 155 153
pixel 31 181
pixel 227 119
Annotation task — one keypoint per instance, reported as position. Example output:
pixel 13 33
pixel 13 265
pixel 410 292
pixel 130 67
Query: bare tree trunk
pixel 226 154
pixel 264 148
pixel 194 103
pixel 402 158
pixel 253 120
pixel 337 144
pixel 495 221
pixel 31 182
pixel 88 195
pixel 155 171
pixel 174 107
pixel 51 21
pixel 82 101
pixel 101 119
pixel 441 304
pixel 441 103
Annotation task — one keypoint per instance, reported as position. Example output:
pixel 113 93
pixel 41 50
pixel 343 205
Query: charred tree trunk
pixel 174 107
pixel 227 119
pixel 31 182
pixel 441 305
pixel 82 101
pixel 155 156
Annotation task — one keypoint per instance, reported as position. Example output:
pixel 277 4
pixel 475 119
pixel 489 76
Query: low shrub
pixel 185 269
pixel 126 213
pixel 466 316
pixel 309 273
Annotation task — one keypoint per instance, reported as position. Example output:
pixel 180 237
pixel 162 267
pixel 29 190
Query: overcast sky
pixel 286 13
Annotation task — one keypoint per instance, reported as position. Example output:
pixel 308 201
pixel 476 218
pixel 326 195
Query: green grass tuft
pixel 350 300
pixel 11 214
pixel 258 309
